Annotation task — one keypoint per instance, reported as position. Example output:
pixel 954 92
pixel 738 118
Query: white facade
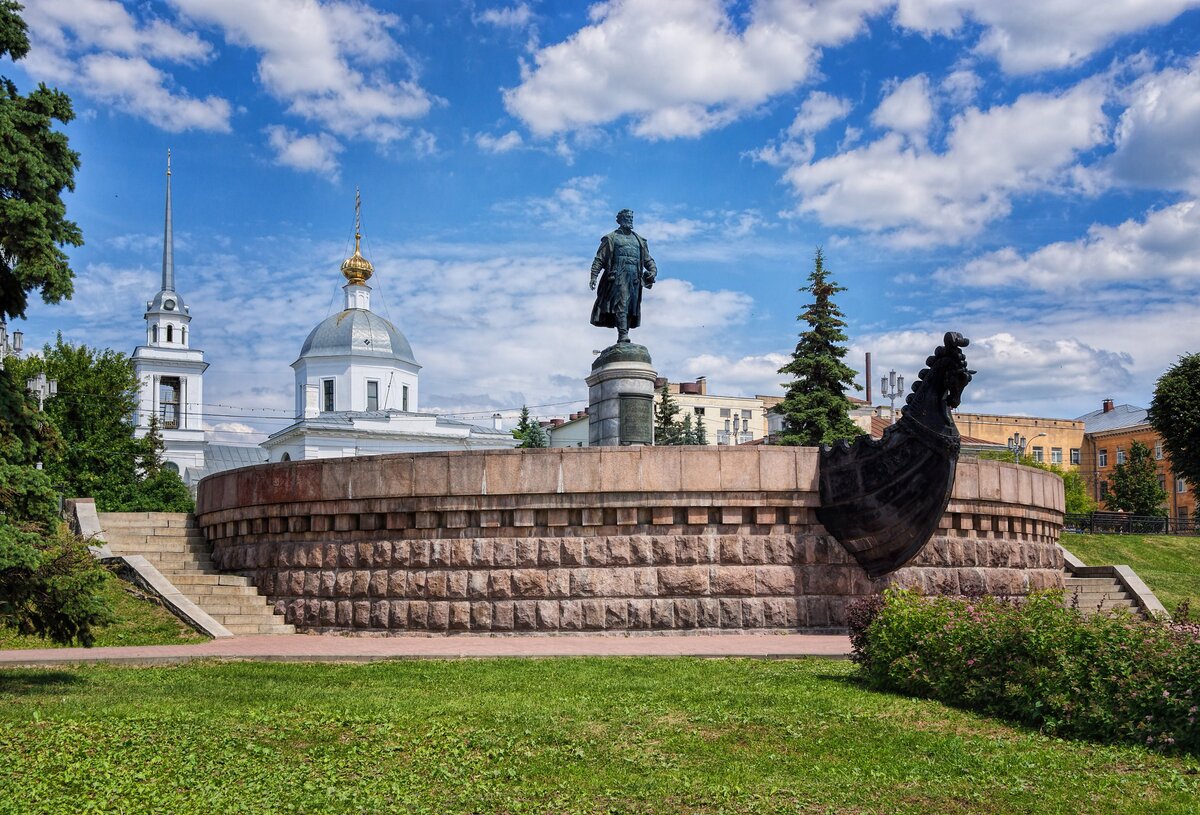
pixel 170 374
pixel 357 389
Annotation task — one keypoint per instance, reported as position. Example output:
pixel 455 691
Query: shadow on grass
pixel 30 682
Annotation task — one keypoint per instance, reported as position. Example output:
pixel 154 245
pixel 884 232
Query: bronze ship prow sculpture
pixel 883 498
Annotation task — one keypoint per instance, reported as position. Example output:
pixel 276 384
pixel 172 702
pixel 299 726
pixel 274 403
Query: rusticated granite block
pixel 439 553
pixel 439 616
pixel 344 614
pixel 312 584
pixel 460 616
pixel 527 553
pixel 639 613
pixel 477 584
pixel 572 552
pixel 418 614
pixel 688 549
pixel 558 583
pixel 381 614
pixel 461 553
pixel 593 614
pixel 456 584
pixel 662 613
pixel 399 614
pixel 570 615
pixel 774 580
pixel 362 613
pixel 733 580
pixel 502 616
pixel 616 614
pixel 327 616
pixel 683 580
pixel 482 552
pixel 481 616
pixel 547 615
pixel 708 611
pixel 730 612
pixel 504 553
pixel 596 551
pixel 752 613
pixel 663 549
pixel 500 584
pixel 529 583
pixel 641 550
pixel 548 552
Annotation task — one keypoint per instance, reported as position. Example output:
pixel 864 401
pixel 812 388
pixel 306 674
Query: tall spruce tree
pixel 815 408
pixel 667 429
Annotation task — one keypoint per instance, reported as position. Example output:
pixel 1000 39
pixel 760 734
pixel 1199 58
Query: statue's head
pixel 625 218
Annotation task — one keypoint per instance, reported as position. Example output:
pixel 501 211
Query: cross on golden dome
pixel 357 268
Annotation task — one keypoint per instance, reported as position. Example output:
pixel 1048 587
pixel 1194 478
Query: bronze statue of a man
pixel 627 267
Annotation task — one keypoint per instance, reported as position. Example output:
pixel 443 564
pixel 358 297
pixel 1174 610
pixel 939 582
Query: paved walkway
pixel 313 648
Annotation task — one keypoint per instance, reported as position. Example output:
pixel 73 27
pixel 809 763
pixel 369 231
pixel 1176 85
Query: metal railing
pixel 1119 523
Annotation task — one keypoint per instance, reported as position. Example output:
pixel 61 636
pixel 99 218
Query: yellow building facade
pixel 1051 441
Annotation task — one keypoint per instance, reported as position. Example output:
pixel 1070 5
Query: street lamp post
pixel 41 387
pixel 890 387
pixel 1017 444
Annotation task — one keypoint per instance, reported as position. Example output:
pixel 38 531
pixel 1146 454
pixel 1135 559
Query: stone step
pixel 146 519
pixel 232 581
pixel 262 628
pixel 153 540
pixel 1091 581
pixel 215 608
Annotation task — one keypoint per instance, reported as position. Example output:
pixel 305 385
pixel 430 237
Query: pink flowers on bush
pixel 1107 677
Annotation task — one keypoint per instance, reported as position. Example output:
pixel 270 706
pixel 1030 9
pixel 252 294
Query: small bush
pixel 1107 677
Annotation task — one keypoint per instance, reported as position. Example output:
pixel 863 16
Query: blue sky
pixel 1023 172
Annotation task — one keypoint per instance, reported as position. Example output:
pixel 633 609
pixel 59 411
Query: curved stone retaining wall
pixel 616 539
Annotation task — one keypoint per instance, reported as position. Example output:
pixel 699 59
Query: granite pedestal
pixel 621 397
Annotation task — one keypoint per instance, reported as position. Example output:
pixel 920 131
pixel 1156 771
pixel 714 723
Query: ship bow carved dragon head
pixel 939 387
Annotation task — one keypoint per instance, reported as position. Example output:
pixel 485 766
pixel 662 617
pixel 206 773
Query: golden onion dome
pixel 356 268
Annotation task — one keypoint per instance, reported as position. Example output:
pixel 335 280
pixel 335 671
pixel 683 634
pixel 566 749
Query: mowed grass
pixel 1170 564
pixel 545 736
pixel 137 621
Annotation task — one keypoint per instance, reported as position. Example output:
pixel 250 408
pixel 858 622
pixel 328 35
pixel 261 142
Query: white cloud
pixel 817 112
pixel 517 16
pixel 1164 247
pixel 1156 136
pixel 315 153
pixel 797 146
pixel 907 108
pixel 498 144
pixel 961 86
pixel 1026 36
pixel 738 376
pixel 1054 376
pixel 326 61
pixel 98 48
pixel 916 196
pixel 678 69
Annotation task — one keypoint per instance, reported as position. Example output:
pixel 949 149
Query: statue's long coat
pixel 604 312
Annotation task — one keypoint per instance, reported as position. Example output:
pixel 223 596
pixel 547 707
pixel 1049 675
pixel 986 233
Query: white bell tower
pixel 170 374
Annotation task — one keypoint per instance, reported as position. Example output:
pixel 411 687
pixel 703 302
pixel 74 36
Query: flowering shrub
pixel 1112 677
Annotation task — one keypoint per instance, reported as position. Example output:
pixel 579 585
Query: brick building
pixel 1109 434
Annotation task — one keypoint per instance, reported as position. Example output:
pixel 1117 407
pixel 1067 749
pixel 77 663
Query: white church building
pixel 357 385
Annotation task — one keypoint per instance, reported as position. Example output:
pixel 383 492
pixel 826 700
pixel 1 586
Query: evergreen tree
pixel 687 432
pixel 667 429
pixel 1135 484
pixel 36 165
pixel 815 408
pixel 1175 414
pixel 701 433
pixel 529 432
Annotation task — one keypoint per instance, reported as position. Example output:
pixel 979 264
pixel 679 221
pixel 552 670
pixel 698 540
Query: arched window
pixel 170 333
pixel 171 467
pixel 154 333
pixel 286 457
pixel 183 334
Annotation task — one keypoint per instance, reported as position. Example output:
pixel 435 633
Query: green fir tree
pixel 815 408
pixel 667 429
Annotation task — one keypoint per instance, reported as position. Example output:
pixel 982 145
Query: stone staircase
pixel 171 541
pixel 1099 594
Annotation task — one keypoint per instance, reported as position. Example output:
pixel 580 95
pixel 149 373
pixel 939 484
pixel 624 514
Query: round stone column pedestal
pixel 621 397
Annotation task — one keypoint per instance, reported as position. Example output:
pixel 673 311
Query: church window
pixel 170 466
pixel 153 333
pixel 326 395
pixel 168 402
pixel 182 334
pixel 170 333
pixel 404 398
pixel 372 394
pixel 286 457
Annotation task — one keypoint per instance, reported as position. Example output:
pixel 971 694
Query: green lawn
pixel 138 622
pixel 552 735
pixel 1170 564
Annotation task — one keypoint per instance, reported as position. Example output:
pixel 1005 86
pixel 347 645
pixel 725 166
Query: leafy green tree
pixel 1135 486
pixel 36 165
pixel 93 413
pixel 49 583
pixel 815 408
pixel 1175 414
pixel 667 429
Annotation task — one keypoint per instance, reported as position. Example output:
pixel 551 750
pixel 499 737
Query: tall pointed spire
pixel 168 272
pixel 357 268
